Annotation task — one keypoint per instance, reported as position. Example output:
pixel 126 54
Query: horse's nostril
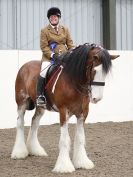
pixel 95 100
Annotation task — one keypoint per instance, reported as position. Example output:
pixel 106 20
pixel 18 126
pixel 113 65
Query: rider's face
pixel 54 19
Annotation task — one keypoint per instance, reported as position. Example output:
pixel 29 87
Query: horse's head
pixel 87 66
pixel 98 66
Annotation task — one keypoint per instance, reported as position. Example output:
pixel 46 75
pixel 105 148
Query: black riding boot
pixel 41 100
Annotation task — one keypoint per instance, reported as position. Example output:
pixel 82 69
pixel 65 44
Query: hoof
pixel 19 154
pixel 64 166
pixel 63 170
pixel 84 164
pixel 37 151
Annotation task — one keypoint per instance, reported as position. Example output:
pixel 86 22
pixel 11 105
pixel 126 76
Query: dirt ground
pixel 109 145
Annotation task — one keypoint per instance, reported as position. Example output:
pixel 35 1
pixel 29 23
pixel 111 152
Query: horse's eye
pixel 96 60
pixel 93 74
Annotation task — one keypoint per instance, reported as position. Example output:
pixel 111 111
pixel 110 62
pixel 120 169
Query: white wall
pixel 117 104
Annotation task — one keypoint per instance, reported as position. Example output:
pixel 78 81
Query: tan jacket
pixel 62 38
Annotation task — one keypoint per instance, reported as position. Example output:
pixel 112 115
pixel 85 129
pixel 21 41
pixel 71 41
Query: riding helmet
pixel 54 11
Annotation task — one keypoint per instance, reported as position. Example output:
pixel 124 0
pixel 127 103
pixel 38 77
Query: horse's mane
pixel 76 60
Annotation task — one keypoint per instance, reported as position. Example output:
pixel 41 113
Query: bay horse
pixel 79 80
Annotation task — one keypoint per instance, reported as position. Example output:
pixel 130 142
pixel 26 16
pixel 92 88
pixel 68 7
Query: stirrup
pixel 41 100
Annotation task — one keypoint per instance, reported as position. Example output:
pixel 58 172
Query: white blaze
pixel 97 91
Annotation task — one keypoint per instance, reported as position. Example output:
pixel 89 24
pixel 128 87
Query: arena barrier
pixel 116 105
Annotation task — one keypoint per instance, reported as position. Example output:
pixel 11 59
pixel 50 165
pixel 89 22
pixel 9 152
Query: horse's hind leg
pixel 33 144
pixel 20 150
pixel 80 158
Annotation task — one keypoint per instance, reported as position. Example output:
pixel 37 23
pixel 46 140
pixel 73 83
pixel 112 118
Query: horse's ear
pixel 114 56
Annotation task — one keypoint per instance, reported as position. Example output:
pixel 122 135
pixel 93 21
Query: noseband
pixel 94 82
pixel 87 87
pixel 97 83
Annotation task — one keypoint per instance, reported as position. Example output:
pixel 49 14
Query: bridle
pixel 95 83
pixel 98 83
pixel 87 68
pixel 87 87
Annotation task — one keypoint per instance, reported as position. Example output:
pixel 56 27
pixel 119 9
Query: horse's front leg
pixel 80 159
pixel 20 150
pixel 64 163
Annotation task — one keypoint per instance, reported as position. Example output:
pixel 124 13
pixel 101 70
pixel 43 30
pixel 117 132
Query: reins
pixel 86 89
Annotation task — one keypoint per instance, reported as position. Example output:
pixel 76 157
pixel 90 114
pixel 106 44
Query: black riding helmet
pixel 54 11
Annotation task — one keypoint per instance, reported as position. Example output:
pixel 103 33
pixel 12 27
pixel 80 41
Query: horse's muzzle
pixel 95 100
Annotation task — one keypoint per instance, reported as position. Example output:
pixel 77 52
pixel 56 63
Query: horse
pixel 78 80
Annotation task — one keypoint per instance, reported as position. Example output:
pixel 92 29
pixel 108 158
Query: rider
pixel 54 40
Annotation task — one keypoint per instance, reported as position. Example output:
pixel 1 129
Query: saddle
pixel 54 67
pixel 52 73
pixel 51 70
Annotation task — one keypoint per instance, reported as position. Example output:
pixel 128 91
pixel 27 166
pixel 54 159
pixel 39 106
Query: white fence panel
pixel 117 104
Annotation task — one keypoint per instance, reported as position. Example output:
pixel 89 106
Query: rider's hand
pixel 55 56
